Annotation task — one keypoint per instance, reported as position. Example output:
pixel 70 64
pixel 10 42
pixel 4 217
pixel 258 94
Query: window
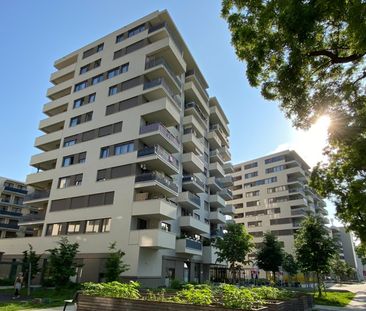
pixel 88 116
pixel 165 227
pixel 124 68
pixel 54 229
pixel 277 189
pixel 104 152
pixel 97 79
pixel 75 121
pixel 80 86
pixel 253 203
pixel 251 175
pixel 84 69
pixel 100 47
pixel 119 38
pixel 274 159
pixel 136 30
pixel 106 225
pixel 97 63
pixel 252 194
pixel 74 159
pixel 73 227
pixel 275 169
pixel 62 182
pixel 250 165
pixel 69 143
pixel 68 161
pixel 91 98
pixel 112 73
pixel 69 181
pixel 78 103
pixel 113 90
pixel 123 148
pixel 92 225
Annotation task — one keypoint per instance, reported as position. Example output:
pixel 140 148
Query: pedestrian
pixel 18 285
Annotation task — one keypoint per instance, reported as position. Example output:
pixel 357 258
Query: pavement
pixel 357 303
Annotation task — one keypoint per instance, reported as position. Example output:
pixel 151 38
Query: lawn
pixel 334 298
pixel 54 298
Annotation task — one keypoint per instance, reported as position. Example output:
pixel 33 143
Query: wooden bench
pixel 71 301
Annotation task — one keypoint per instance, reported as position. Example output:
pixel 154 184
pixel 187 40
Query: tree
pixel 234 246
pixel 310 56
pixel 341 269
pixel 30 258
pixel 62 263
pixel 289 264
pixel 270 255
pixel 314 248
pixel 114 265
pixel 361 253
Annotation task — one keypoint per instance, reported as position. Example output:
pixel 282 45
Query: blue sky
pixel 36 33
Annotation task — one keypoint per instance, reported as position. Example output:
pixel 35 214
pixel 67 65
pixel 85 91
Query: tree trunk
pixel 319 284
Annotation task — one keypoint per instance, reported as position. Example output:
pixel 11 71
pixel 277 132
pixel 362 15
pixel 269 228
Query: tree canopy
pixel 30 258
pixel 310 56
pixel 270 255
pixel 314 248
pixel 289 264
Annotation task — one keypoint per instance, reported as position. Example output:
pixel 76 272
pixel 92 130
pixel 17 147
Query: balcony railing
pixel 161 81
pixel 193 178
pixel 192 73
pixel 13 189
pixel 32 217
pixel 159 177
pixel 153 62
pixel 37 195
pixel 226 192
pixel 9 226
pixel 194 198
pixel 164 25
pixel 162 129
pixel 7 213
pixel 161 152
pixel 193 244
pixel 197 108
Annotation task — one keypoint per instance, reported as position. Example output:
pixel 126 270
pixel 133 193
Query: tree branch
pixel 360 78
pixel 335 59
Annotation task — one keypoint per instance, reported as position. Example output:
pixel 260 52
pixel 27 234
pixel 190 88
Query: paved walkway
pixel 358 303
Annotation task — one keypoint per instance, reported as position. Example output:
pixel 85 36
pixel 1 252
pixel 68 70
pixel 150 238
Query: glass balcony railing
pixel 159 177
pixel 38 194
pixel 32 217
pixel 11 214
pixel 153 62
pixel 193 244
pixel 165 25
pixel 13 189
pixel 161 152
pixel 9 226
pixel 161 81
pixel 194 198
pixel 193 178
pixel 197 108
pixel 163 130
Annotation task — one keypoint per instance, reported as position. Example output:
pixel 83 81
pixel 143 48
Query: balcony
pixel 216 201
pixel 159 209
pixel 217 217
pixel 192 163
pixel 66 61
pixel 32 219
pixel 224 141
pixel 153 238
pixel 45 160
pixel 215 156
pixel 298 202
pixel 7 214
pixel 157 158
pixel 228 210
pixel 191 121
pixel 55 107
pixel 63 74
pixel 41 177
pixel 49 142
pixel 16 190
pixel 161 108
pixel 154 85
pixel 158 134
pixel 189 200
pixel 154 63
pixel 37 195
pixel 192 75
pixel 191 108
pixel 228 168
pixel 226 181
pixel 216 170
pixel 226 194
pixel 298 212
pixel 225 153
pixel 53 123
pixel 189 247
pixel 214 140
pixel 59 91
pixel 193 225
pixel 193 183
pixel 156 182
pixel 209 255
pixel 9 227
pixel 214 184
pixel 191 143
pixel 217 115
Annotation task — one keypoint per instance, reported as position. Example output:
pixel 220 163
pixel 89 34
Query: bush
pixel 272 293
pixel 113 289
pixel 196 295
pixel 239 298
pixel 6 282
pixel 175 284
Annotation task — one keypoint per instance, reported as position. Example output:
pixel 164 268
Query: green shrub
pixel 6 282
pixel 197 295
pixel 272 293
pixel 113 289
pixel 156 296
pixel 239 298
pixel 175 284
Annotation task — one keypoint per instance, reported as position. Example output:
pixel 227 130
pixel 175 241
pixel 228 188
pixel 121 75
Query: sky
pixel 36 33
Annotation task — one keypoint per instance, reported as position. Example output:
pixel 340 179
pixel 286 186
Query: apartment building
pixel 134 151
pixel 271 194
pixel 12 194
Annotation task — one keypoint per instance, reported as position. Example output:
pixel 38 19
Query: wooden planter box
pixel 300 303
pixel 91 303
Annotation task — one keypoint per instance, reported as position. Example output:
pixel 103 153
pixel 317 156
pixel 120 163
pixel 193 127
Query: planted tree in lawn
pixel 234 246
pixel 341 269
pixel 361 252
pixel 114 265
pixel 30 258
pixel 290 265
pixel 310 57
pixel 61 260
pixel 270 254
pixel 314 248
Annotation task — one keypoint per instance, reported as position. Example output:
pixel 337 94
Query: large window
pixel 92 225
pixel 106 225
pixel 136 30
pixel 113 90
pixel 123 148
pixel 73 227
pixel 80 86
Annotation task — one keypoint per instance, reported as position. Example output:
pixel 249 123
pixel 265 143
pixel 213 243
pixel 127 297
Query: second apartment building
pixel 134 151
pixel 271 193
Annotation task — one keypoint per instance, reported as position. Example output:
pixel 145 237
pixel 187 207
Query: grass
pixel 334 298
pixel 55 298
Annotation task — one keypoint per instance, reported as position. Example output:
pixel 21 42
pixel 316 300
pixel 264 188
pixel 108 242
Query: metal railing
pixel 159 177
pixel 192 73
pixel 7 213
pixel 161 81
pixel 13 189
pixel 197 108
pixel 162 129
pixel 32 217
pixel 194 198
pixel 193 244
pixel 9 226
pixel 37 195
pixel 193 178
pixel 153 62
pixel 161 152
